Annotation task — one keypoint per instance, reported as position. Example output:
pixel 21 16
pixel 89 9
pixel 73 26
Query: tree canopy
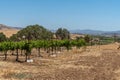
pixel 33 32
pixel 62 33
pixel 2 37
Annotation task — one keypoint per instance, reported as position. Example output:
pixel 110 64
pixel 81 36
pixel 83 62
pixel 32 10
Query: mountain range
pixel 2 26
pixel 96 32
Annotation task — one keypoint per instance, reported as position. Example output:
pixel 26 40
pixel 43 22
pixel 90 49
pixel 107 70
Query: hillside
pixel 96 32
pixel 2 26
pixel 7 30
pixel 96 63
pixel 87 31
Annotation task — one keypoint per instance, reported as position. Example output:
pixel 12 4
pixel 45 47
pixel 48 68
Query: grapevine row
pixel 27 46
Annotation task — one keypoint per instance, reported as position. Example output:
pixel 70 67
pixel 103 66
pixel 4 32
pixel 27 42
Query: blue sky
pixel 70 14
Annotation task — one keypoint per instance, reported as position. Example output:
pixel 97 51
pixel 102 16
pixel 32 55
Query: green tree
pixel 62 34
pixel 33 32
pixel 14 37
pixel 2 37
pixel 87 38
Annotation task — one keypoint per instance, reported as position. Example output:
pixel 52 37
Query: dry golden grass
pixel 9 32
pixel 95 63
pixel 74 36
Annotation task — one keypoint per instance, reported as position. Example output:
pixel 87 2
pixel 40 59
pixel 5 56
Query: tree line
pixel 36 32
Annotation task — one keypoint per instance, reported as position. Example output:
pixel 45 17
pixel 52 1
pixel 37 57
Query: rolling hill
pixel 96 32
pixel 7 30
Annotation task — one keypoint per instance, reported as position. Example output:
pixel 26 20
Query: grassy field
pixel 96 63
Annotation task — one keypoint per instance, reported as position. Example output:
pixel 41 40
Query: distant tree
pixel 33 32
pixel 87 38
pixel 62 34
pixel 78 38
pixel 115 37
pixel 14 37
pixel 2 37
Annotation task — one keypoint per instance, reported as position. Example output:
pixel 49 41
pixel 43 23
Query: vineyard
pixel 35 53
pixel 94 63
pixel 51 47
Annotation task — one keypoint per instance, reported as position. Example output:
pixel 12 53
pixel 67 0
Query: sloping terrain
pixel 96 63
pixel 8 31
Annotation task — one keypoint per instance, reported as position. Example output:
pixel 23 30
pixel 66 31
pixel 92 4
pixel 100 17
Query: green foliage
pixel 105 39
pixel 12 46
pixel 29 45
pixel 62 34
pixel 87 38
pixel 14 37
pixel 2 37
pixel 24 45
pixel 33 32
pixel 67 44
pixel 80 43
pixel 5 46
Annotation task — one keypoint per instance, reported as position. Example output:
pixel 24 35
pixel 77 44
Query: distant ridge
pixel 2 26
pixel 96 32
pixel 88 31
pixel 8 30
pixel 19 28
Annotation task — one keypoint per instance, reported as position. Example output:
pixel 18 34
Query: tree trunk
pixel 5 55
pixel 60 48
pixel 29 56
pixel 17 56
pixel 12 52
pixel 26 54
pixel 55 50
pixel 21 52
pixel 52 50
pixel 39 53
pixel 48 50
